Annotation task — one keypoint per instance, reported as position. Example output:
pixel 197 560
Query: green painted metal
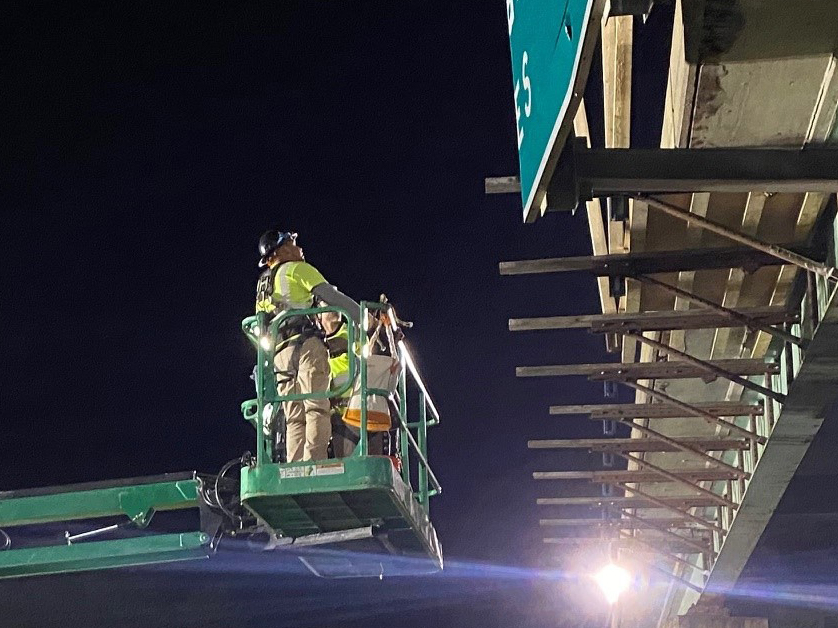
pixel 137 499
pixel 303 499
pixel 253 410
pixel 144 550
pixel 137 502
pixel 551 42
pixel 262 333
pixel 363 444
pixel 423 445
pixel 404 443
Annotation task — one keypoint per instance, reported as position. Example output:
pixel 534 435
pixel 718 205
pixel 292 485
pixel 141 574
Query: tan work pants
pixel 307 422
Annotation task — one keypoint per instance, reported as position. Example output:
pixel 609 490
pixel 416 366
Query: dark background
pixel 149 146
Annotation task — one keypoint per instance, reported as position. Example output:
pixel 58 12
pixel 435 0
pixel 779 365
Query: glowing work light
pixel 613 581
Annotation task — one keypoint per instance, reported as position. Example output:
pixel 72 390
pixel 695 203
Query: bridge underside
pixel 757 85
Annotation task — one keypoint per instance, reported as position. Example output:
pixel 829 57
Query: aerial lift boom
pixel 373 510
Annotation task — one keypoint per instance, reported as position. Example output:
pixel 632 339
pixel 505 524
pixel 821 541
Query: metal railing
pixel 411 420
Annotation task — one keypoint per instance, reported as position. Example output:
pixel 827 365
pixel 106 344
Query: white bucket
pixel 382 373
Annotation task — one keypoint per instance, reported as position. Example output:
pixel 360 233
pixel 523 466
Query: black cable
pixel 242 460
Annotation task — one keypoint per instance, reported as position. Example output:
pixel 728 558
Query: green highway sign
pixel 552 45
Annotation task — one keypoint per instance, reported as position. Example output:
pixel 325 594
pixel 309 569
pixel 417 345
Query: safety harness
pixel 294 331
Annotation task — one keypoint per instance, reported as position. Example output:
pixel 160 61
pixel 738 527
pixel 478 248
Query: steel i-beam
pixel 711 368
pixel 721 499
pixel 779 252
pixel 710 418
pixel 747 321
pixel 674 509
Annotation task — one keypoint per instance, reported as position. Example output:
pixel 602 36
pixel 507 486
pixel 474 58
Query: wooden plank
pixel 639 444
pixel 699 203
pixel 617 40
pixel 652 321
pixel 736 276
pixel 653 262
pixel 810 210
pixel 502 185
pixel 611 477
pixel 680 89
pixel 596 227
pixel 674 134
pixel 657 410
pixel 647 370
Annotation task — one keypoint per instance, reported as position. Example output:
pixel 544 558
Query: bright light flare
pixel 613 581
pixel 266 343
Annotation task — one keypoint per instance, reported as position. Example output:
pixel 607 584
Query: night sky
pixel 149 147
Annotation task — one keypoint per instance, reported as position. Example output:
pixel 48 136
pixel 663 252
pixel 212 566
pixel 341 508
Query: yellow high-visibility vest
pixel 292 286
pixel 339 364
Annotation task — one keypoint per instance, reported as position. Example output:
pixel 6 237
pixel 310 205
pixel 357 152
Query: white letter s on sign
pixel 527 88
pixel 528 104
pixel 518 115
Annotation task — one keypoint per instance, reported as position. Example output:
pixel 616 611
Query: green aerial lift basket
pixel 358 516
pixel 359 505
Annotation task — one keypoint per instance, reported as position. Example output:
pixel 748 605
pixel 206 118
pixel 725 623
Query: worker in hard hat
pixel 301 357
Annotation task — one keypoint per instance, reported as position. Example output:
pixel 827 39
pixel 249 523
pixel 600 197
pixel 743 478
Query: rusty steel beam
pixel 701 546
pixel 629 501
pixel 638 444
pixel 630 475
pixel 662 503
pixel 624 542
pixel 654 321
pixel 629 264
pixel 683 481
pixel 781 253
pixel 661 524
pixel 658 410
pixel 502 185
pixel 712 370
pixel 710 418
pixel 624 523
pixel 734 315
pixel 685 447
pixel 668 555
pixel 620 371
